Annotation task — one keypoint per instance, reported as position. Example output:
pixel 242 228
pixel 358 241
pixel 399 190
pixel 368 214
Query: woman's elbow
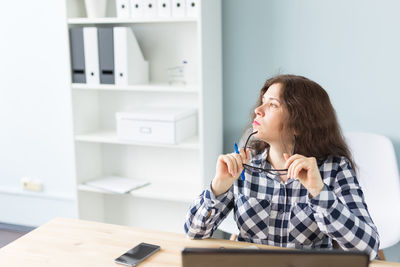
pixel 375 242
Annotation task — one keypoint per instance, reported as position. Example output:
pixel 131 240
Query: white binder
pixel 90 46
pixel 123 8
pixel 192 7
pixel 178 8
pixel 130 65
pixel 137 8
pixel 150 9
pixel 164 8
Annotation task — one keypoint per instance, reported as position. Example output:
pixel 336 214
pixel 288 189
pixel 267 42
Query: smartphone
pixel 137 254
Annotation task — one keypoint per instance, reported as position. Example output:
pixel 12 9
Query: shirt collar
pixel 261 161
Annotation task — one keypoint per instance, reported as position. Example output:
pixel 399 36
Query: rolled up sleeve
pixel 199 224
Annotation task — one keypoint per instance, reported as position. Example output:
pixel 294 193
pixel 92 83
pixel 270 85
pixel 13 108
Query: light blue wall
pixel 351 48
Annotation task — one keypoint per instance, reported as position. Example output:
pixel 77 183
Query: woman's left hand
pixel 306 170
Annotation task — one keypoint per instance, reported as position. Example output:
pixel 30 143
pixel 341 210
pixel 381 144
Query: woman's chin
pixel 262 136
pixel 259 135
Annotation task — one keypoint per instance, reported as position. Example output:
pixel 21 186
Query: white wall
pixel 36 137
pixel 351 48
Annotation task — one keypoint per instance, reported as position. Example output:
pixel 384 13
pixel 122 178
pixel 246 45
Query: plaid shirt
pixel 269 211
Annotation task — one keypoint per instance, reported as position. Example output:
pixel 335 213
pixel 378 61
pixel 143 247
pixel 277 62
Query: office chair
pixel 378 175
pixel 228 225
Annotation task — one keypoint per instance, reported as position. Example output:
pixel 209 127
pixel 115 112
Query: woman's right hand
pixel 229 167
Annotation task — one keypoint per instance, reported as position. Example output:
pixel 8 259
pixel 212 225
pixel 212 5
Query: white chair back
pixel 378 175
pixel 229 225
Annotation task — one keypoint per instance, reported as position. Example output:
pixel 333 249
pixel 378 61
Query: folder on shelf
pixel 178 8
pixel 106 54
pixel 130 65
pixel 136 7
pixel 123 8
pixel 77 55
pixel 117 184
pixel 150 9
pixel 164 8
pixel 192 7
pixel 91 55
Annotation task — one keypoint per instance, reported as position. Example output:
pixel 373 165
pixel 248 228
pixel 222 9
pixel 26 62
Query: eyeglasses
pixel 259 170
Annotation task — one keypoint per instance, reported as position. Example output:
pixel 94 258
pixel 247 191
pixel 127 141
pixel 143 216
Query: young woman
pixel 299 189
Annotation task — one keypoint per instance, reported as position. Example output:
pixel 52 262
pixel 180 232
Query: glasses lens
pixel 274 172
pixel 260 170
pixel 253 169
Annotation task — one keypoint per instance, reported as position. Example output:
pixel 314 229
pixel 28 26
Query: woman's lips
pixel 256 122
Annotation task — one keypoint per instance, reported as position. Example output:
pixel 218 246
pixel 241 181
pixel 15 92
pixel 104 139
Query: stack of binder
pixel 106 55
pixel 151 9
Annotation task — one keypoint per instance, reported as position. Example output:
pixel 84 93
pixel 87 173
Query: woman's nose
pixel 258 111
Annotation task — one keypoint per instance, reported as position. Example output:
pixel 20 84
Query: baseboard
pixel 16 227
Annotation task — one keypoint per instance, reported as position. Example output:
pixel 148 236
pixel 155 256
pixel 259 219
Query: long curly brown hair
pixel 311 117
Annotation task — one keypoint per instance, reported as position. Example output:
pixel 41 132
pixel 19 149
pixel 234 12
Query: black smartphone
pixel 137 254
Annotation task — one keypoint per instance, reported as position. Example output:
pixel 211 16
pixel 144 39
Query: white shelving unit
pixel 178 173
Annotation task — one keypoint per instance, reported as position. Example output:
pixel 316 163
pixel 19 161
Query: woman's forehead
pixel 274 91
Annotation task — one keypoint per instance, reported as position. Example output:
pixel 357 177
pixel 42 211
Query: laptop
pixel 223 257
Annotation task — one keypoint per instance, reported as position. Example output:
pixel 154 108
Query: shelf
pixel 83 187
pixel 85 21
pixel 157 190
pixel 152 87
pixel 109 137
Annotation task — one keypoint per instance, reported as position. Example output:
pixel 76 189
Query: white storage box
pixel 166 126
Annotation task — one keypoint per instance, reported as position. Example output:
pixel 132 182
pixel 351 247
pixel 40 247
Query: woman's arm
pixel 341 213
pixel 339 209
pixel 207 212
pixel 212 206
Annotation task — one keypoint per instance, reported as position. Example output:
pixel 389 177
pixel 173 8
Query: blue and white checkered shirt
pixel 269 211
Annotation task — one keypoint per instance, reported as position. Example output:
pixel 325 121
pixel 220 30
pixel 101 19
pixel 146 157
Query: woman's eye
pixel 272 105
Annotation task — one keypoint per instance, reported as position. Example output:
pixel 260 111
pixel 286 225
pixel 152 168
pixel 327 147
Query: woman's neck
pixel 276 158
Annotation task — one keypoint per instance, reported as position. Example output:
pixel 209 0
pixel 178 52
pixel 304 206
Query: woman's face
pixel 270 115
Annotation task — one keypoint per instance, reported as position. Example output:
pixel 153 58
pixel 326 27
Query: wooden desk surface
pixel 71 242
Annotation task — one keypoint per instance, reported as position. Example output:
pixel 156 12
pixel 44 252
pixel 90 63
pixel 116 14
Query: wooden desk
pixel 71 242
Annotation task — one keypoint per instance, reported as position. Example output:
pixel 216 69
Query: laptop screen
pixel 213 257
